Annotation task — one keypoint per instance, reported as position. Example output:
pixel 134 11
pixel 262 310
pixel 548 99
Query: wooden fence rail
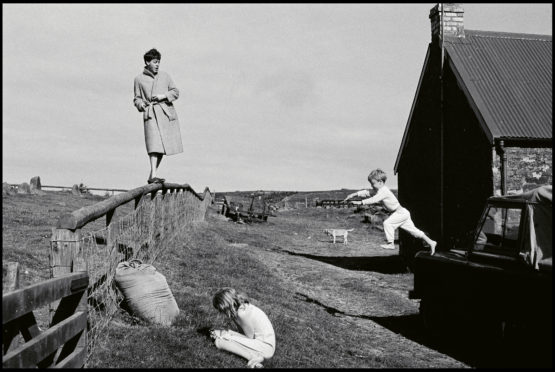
pixel 67 244
pixel 82 216
pixel 64 343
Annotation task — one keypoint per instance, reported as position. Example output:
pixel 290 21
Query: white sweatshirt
pixel 384 194
pixel 255 324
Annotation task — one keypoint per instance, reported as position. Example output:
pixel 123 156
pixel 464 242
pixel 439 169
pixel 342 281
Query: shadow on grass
pixel 475 351
pixel 381 264
pixel 205 331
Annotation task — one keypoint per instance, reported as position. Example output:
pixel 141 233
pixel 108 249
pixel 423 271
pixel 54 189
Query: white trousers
pixel 248 348
pixel 400 219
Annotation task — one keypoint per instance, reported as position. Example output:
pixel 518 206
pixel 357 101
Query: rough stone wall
pixel 527 168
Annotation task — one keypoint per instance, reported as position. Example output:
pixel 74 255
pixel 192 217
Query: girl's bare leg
pixel 241 345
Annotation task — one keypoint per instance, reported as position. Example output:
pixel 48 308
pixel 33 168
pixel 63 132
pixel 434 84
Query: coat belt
pixel 148 110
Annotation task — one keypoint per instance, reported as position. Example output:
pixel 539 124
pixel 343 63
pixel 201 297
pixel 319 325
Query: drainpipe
pixel 441 135
pixel 503 154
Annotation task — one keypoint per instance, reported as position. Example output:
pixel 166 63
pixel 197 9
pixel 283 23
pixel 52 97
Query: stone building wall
pixel 527 168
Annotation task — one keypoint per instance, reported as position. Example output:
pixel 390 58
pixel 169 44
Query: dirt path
pixel 360 283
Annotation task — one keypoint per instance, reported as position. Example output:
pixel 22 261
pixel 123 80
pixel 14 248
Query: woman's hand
pixel 158 97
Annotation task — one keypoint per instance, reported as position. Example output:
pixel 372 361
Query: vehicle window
pixel 499 231
pixel 512 224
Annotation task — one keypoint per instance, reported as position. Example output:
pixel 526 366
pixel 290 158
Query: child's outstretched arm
pixel 361 193
pixel 374 199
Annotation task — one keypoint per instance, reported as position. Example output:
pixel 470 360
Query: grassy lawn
pixel 332 306
pixel 326 311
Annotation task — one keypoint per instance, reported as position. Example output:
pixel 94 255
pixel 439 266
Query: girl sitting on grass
pixel 258 340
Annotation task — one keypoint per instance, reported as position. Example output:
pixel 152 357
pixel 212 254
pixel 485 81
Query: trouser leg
pixel 409 227
pixel 390 224
pixel 243 346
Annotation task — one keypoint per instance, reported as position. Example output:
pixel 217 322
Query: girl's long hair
pixel 227 300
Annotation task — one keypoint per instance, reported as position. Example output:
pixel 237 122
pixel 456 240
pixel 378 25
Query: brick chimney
pixel 453 21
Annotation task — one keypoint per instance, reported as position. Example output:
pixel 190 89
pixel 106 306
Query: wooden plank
pixel 33 352
pixel 82 216
pixel 9 332
pixel 26 325
pixel 22 301
pixel 69 305
pixel 74 360
pixel 81 342
pixel 65 246
pixel 10 276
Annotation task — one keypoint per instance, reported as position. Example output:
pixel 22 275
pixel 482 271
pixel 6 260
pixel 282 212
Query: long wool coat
pixel 161 125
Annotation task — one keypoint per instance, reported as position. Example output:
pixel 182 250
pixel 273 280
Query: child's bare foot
pixel 433 247
pixel 255 362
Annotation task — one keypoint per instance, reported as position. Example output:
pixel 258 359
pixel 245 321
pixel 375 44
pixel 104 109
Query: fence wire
pixel 141 234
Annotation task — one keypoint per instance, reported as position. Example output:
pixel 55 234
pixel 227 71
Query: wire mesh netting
pixel 142 234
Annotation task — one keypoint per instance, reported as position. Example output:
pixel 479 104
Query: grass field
pixel 332 306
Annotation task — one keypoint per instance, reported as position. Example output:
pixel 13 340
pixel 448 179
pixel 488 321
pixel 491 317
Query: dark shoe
pixel 156 180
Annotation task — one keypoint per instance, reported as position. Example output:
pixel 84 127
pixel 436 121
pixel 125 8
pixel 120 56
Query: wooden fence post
pixel 10 276
pixel 67 256
pixel 173 209
pixel 65 248
pixel 111 233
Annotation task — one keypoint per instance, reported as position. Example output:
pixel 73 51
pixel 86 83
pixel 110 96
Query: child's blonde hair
pixel 378 175
pixel 227 300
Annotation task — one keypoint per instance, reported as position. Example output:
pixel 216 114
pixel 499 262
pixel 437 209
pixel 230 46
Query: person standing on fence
pixel 154 93
pixel 257 341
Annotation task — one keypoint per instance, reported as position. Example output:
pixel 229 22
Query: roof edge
pixel 407 127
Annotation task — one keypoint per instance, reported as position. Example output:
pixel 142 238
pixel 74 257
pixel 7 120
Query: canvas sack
pixel 146 291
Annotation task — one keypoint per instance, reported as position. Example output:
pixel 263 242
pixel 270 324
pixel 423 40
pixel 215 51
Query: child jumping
pixel 400 216
pixel 258 340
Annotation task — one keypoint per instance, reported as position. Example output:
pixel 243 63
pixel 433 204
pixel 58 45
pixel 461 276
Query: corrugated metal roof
pixel 509 78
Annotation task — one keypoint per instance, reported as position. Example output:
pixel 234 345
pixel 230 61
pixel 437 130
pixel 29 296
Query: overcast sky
pixel 272 96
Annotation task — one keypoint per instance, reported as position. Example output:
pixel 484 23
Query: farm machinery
pixel 258 210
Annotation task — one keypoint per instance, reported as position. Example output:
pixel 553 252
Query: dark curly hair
pixel 152 54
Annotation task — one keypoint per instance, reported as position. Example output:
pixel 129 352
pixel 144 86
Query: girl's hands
pixel 219 333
